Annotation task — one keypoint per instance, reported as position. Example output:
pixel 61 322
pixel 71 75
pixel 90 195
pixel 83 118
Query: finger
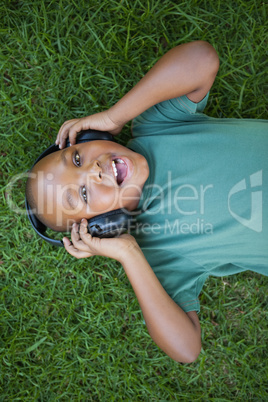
pixel 60 131
pixel 76 240
pixel 75 234
pixel 80 125
pixel 83 232
pixel 69 247
pixel 64 132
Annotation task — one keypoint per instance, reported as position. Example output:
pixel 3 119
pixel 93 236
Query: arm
pixel 178 334
pixel 188 69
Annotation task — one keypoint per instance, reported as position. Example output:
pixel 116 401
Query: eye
pixel 84 193
pixel 76 159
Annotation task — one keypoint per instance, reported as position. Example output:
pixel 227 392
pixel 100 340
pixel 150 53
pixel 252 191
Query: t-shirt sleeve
pixel 171 112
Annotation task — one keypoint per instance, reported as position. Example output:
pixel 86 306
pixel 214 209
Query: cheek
pixel 104 199
pixel 129 196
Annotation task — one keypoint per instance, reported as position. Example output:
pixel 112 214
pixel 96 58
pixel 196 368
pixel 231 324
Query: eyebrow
pixel 70 199
pixel 63 157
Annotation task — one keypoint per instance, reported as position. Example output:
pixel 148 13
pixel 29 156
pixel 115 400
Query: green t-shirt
pixel 205 203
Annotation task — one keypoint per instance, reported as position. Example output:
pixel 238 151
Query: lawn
pixel 73 330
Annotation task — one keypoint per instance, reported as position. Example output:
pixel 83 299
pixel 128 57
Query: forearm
pixel 169 326
pixel 174 331
pixel 188 69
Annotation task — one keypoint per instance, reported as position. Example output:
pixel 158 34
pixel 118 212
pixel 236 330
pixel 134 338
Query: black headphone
pixel 109 224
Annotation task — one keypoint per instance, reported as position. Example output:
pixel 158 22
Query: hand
pixel 99 121
pixel 83 245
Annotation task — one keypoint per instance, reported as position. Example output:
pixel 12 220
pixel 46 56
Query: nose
pixel 96 170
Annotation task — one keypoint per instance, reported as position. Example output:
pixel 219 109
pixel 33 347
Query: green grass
pixel 73 330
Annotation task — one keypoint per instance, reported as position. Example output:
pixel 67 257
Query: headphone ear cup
pixel 110 224
pixel 91 135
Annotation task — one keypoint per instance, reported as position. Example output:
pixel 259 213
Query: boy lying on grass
pixel 199 183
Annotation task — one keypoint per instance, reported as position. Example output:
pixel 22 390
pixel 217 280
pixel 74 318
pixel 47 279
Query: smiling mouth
pixel 120 170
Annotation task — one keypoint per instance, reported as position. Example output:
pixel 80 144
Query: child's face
pixel 87 179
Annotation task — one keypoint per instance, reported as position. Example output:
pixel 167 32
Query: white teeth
pixel 119 160
pixel 114 168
